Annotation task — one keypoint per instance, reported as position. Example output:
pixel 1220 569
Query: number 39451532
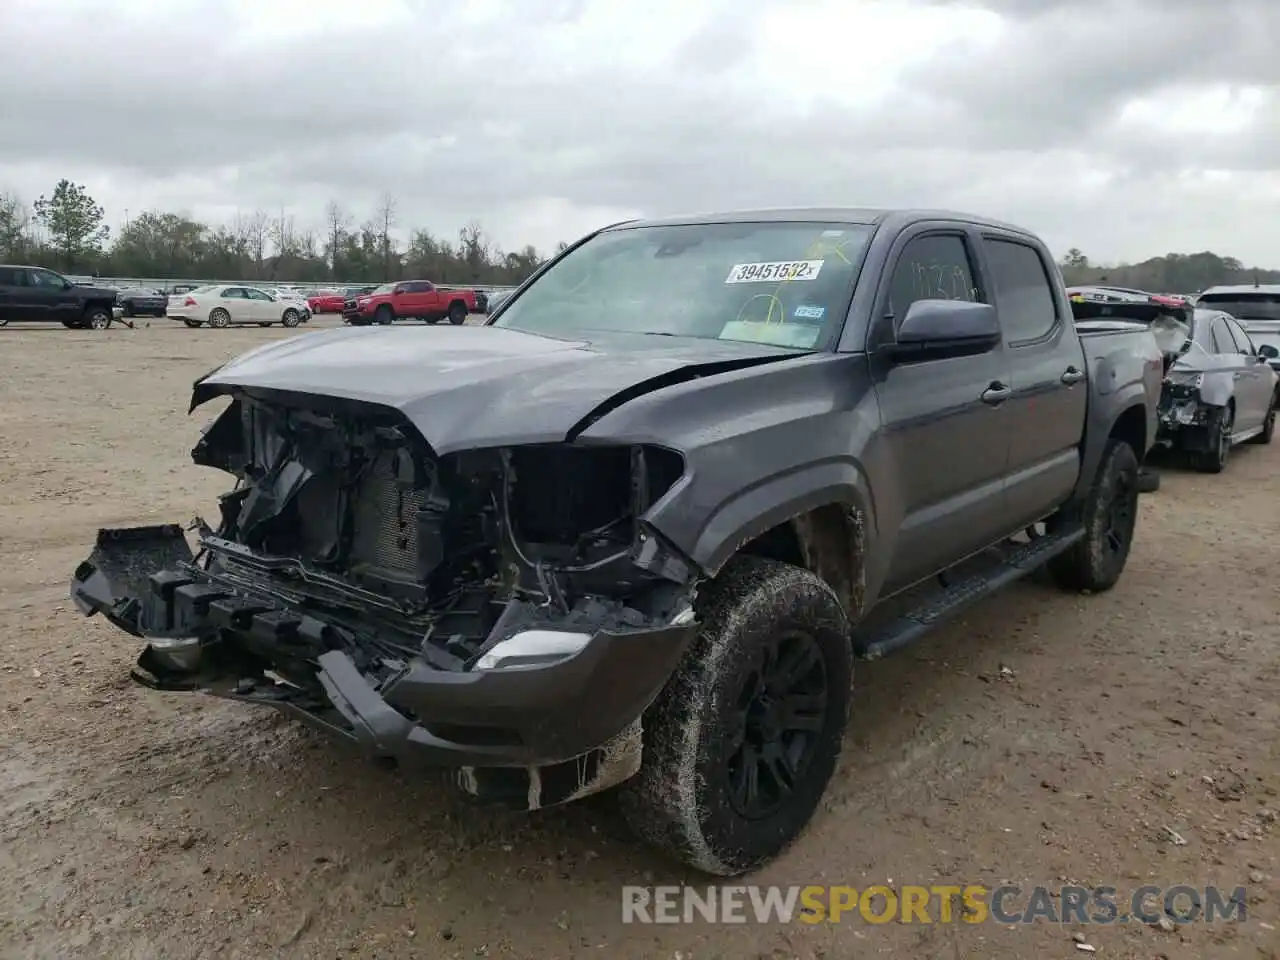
pixel 776 271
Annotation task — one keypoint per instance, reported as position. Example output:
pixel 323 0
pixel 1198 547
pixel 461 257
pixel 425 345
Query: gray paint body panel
pixel 768 433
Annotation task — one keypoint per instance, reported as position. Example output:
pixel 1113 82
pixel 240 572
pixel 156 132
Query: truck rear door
pixel 946 421
pixel 1047 370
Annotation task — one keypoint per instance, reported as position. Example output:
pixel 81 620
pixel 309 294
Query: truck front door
pixel 1046 414
pixel 48 298
pixel 945 422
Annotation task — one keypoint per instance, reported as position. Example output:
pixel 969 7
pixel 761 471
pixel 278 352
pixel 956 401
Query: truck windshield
pixel 781 283
pixel 385 288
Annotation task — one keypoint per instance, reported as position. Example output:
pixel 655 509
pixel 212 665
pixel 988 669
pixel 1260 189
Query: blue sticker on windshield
pixel 809 312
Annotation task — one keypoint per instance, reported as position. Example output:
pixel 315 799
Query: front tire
pixel 384 316
pixel 1268 423
pixel 97 318
pixel 740 744
pixel 1109 514
pixel 290 318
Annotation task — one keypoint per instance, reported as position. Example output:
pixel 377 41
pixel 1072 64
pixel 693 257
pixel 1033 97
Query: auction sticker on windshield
pixel 778 270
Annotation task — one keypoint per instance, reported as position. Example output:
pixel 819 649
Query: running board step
pixel 1006 564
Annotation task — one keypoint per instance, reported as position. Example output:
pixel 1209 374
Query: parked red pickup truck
pixel 410 300
pixel 332 301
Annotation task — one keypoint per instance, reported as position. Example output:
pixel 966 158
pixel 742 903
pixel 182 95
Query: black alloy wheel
pixel 781 710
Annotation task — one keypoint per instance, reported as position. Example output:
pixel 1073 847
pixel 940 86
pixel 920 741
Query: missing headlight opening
pixel 404 554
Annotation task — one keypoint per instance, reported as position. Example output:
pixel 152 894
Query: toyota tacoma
pixel 634 532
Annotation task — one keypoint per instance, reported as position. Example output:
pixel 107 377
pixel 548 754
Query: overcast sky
pixel 1126 128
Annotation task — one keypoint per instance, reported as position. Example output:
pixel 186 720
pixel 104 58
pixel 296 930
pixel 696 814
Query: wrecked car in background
pixel 636 529
pixel 1219 391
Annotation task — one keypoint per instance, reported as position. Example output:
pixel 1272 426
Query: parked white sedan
pixel 227 305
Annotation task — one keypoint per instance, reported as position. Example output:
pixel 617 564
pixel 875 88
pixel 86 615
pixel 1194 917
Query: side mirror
pixel 938 329
pixel 1268 351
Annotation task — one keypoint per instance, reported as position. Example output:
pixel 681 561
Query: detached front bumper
pixel 536 716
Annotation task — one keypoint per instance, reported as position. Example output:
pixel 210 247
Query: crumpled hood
pixel 470 387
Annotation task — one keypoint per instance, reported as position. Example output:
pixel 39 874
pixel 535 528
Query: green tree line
pixel 66 230
pixel 1184 273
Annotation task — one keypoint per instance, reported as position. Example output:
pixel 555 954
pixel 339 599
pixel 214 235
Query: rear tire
pixel 1109 515
pixel 756 709
pixel 219 319
pixel 457 313
pixel 1221 426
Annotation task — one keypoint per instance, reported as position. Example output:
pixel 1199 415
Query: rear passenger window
pixel 1023 294
pixel 1221 337
pixel 1243 343
pixel 932 267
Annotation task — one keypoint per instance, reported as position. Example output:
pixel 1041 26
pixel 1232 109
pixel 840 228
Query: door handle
pixel 996 394
pixel 1072 376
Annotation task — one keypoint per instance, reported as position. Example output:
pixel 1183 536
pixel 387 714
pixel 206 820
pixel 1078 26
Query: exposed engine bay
pixel 410 555
pixel 504 612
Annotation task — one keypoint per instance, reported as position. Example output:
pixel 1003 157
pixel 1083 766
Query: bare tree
pixel 282 238
pixel 257 230
pixel 339 225
pixel 474 248
pixel 385 217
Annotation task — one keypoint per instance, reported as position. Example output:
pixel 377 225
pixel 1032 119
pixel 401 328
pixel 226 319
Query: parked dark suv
pixel 34 294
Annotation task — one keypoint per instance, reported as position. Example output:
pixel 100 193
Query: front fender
pixel 775 501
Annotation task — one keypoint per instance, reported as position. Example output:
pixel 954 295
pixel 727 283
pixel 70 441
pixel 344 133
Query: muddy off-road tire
pixel 1221 425
pixel 1109 514
pixel 767 681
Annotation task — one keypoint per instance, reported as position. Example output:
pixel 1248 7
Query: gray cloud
pixel 546 118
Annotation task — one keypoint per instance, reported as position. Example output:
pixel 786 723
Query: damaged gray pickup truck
pixel 636 529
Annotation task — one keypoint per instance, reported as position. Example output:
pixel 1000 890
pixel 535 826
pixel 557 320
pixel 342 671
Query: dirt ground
pixel 1043 739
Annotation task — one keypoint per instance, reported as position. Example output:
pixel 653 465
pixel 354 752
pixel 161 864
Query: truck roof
pixel 857 215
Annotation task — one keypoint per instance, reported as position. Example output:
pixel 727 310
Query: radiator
pixel 385 521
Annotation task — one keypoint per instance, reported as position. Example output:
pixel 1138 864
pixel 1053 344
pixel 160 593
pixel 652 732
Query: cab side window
pixel 1023 296
pixel 931 267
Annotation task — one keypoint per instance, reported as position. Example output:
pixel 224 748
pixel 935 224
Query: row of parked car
pixel 1223 361
pixel 35 294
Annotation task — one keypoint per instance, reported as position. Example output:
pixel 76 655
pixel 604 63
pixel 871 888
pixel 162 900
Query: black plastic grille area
pixel 385 527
